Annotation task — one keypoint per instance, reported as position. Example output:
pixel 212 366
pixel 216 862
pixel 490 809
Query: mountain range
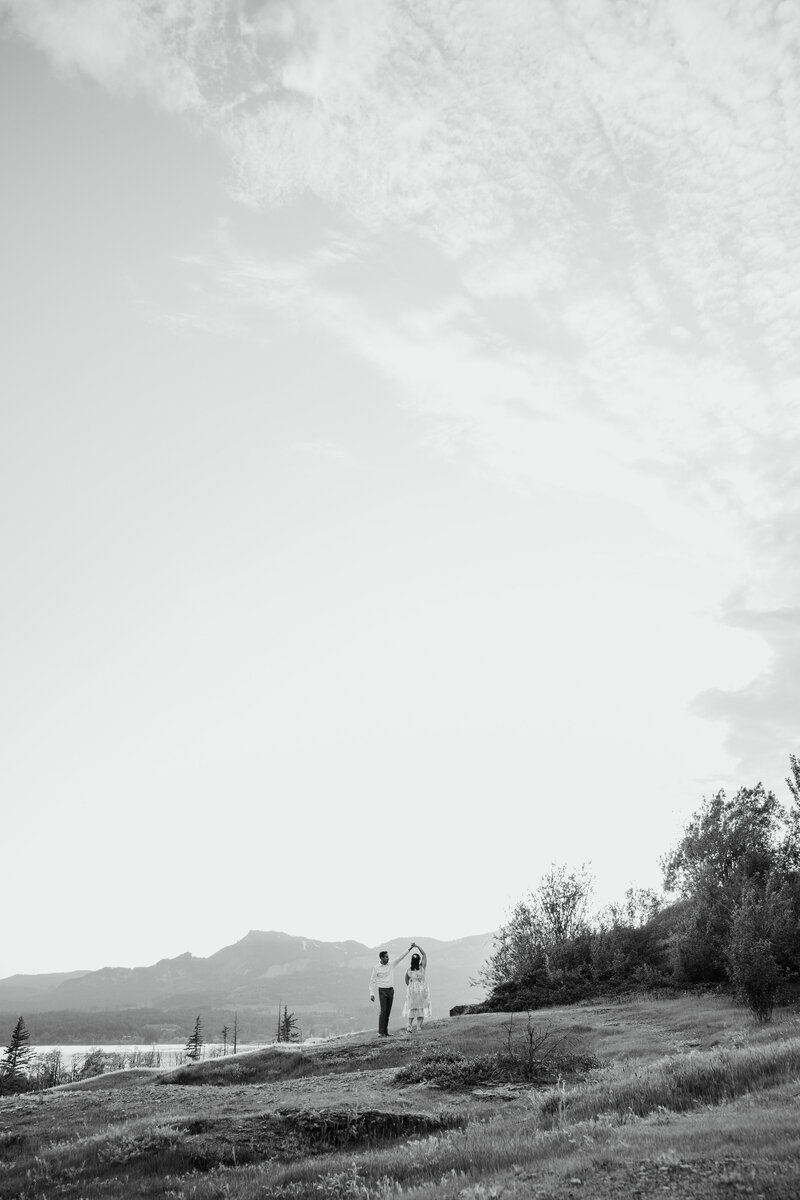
pixel 324 983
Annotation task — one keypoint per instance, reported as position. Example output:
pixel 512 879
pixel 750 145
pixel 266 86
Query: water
pixel 159 1054
pixel 163 1055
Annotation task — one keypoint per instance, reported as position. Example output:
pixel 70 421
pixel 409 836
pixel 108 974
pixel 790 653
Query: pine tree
pixel 287 1030
pixel 195 1042
pixel 13 1077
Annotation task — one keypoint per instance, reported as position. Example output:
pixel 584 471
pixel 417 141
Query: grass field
pixel 684 1097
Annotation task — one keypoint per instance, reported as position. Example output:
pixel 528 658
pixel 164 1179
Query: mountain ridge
pixel 324 983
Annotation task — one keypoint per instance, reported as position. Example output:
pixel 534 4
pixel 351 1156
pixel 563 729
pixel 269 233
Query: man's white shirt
pixel 382 977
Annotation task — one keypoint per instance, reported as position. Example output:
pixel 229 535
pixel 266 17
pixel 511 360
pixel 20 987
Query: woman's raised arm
pixel 400 957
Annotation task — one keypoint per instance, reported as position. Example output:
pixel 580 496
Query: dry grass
pixel 257 1066
pixel 692 1093
pixel 131 1077
pixel 676 1084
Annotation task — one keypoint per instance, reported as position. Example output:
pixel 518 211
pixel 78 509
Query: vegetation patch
pixel 447 1068
pixel 275 1066
pixel 623 1129
pixel 676 1084
pixel 146 1150
pixel 733 925
pixel 532 1053
pixel 260 1066
pixel 333 1128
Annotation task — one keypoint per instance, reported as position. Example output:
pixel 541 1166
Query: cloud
pixel 652 152
pixel 603 205
pixel 127 47
pixel 766 712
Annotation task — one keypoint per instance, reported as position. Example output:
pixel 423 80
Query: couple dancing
pixel 418 1000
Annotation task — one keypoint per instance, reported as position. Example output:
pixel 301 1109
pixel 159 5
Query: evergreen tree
pixel 195 1042
pixel 13 1077
pixel 287 1030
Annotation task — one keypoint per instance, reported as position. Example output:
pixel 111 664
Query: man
pixel 382 980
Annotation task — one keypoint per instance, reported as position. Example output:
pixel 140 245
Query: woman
pixel 418 998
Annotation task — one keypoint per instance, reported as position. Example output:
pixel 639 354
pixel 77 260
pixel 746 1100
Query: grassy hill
pixel 684 1097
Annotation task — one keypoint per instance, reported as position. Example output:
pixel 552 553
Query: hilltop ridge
pixel 324 983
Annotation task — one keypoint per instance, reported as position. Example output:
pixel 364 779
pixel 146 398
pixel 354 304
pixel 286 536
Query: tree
pixel 195 1041
pixel 738 868
pixel 50 1070
pixel 563 899
pixel 95 1063
pixel 726 839
pixel 540 925
pixel 727 845
pixel 636 909
pixel 224 1038
pixel 793 781
pixel 762 933
pixel 13 1075
pixel 791 844
pixel 628 948
pixel 287 1027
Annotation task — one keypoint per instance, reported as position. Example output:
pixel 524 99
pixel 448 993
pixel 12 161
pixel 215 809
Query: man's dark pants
pixel 386 996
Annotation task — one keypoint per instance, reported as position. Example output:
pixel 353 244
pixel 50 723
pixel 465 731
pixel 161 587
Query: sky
pixel 399 456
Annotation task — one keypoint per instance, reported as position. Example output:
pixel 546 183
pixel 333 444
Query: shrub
pixel 762 928
pixel 532 1054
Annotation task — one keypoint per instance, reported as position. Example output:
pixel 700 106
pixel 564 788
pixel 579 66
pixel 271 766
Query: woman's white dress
pixel 418 997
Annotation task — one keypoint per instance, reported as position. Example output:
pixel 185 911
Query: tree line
pixel 729 917
pixel 141 1026
pixel 22 1070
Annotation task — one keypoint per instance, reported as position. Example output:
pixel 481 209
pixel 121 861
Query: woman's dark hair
pixel 415 961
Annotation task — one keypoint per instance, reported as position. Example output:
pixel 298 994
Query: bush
pixel 761 929
pixel 532 1054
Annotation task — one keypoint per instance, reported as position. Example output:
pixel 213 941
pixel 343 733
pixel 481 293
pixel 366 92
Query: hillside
pixel 684 1099
pixel 324 983
pixel 29 990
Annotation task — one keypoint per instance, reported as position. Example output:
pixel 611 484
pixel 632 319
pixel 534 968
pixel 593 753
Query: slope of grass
pixel 677 1083
pixel 693 1100
pixel 130 1077
pixel 257 1066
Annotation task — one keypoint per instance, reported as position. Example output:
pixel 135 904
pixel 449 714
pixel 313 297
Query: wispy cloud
pixel 651 152
pixel 160 50
pixel 610 194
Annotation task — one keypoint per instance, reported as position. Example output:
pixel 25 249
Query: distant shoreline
pixel 210 1049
